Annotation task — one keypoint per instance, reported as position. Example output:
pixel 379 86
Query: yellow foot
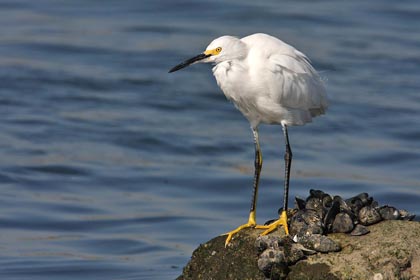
pixel 231 233
pixel 282 221
pixel 251 223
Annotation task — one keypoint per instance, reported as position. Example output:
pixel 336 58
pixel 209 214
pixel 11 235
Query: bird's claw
pixel 231 233
pixel 250 224
pixel 282 221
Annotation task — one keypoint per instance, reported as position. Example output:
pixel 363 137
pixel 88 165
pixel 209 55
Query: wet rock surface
pixel 390 251
pixel 319 225
pixel 319 243
pixel 277 253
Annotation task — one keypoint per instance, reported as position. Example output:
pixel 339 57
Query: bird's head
pixel 221 49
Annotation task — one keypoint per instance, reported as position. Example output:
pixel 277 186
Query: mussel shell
pixel 343 223
pixel 359 230
pixel 389 213
pixel 369 215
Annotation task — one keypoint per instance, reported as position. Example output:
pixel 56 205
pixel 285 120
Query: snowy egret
pixel 270 82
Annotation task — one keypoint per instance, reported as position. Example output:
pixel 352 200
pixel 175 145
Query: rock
pixel 357 202
pixel 300 204
pixel 304 250
pixel 270 257
pixel 327 201
pixel 344 207
pixel 369 215
pixel 404 215
pixel 292 251
pixel 314 203
pixel 322 214
pixel 390 250
pixel 279 272
pixel 378 276
pixel 305 222
pixel 318 201
pixel 342 223
pixel 359 230
pixel 331 213
pixel 389 213
pixel 280 257
pixel 278 253
pixel 317 271
pixel 319 243
pixel 316 194
pixel 268 241
pixel 237 261
pixel 362 198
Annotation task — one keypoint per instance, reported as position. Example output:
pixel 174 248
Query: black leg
pixel 258 166
pixel 282 221
pixel 288 161
pixel 252 213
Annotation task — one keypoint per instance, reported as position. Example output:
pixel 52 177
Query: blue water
pixel 111 168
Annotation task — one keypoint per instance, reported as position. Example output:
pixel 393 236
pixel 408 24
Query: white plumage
pixel 270 82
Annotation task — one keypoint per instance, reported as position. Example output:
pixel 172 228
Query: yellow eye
pixel 215 51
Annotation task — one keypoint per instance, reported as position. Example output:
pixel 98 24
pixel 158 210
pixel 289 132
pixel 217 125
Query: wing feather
pixel 290 78
pixel 296 84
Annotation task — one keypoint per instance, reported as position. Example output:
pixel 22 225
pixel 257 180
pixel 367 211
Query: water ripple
pixel 113 169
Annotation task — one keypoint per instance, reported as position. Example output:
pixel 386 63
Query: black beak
pixel 189 61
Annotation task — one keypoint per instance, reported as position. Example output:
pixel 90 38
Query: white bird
pixel 270 82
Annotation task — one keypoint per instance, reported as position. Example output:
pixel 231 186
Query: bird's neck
pixel 223 66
